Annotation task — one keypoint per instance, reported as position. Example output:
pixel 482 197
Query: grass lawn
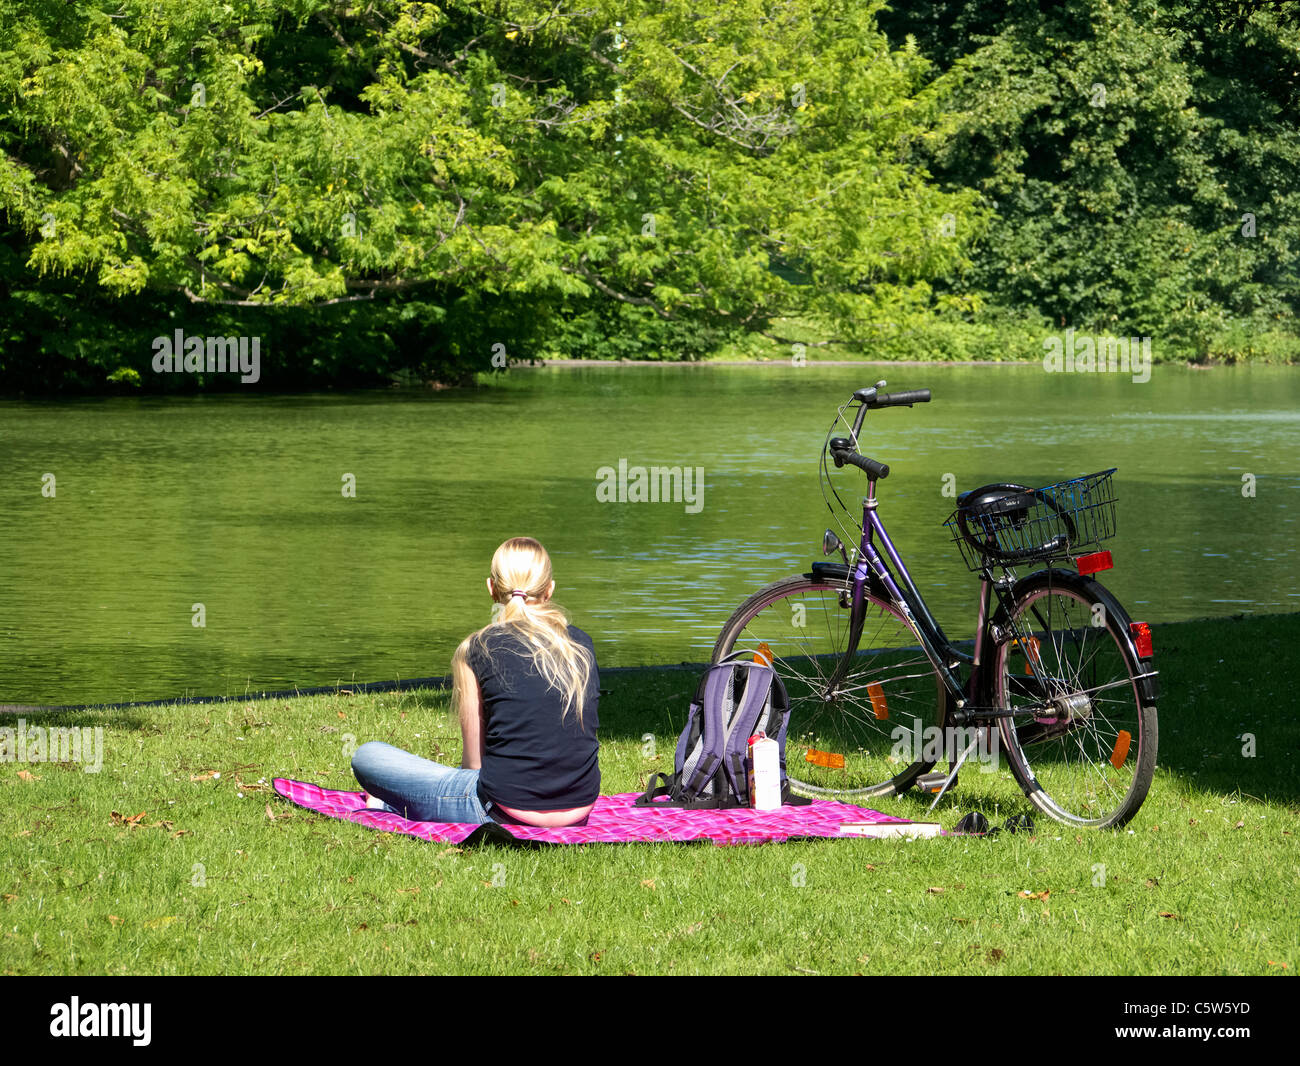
pixel 219 876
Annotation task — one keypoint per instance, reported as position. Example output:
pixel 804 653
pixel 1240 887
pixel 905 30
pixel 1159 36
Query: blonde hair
pixel 521 583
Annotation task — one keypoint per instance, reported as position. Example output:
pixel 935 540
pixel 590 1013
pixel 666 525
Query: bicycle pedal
pixel 933 782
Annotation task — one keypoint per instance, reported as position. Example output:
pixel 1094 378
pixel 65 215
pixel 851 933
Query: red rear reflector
pixel 1142 638
pixel 1090 564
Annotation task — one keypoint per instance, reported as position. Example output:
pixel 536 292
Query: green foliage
pixel 403 189
pixel 1141 159
pixel 624 177
pixel 125 375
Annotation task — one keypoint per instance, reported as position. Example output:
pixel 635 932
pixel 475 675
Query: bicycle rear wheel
pixel 872 735
pixel 1087 758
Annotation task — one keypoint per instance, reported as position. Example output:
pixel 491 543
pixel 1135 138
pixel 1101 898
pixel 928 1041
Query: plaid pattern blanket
pixel 614 820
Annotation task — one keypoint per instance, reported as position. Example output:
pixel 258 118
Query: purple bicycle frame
pixel 907 599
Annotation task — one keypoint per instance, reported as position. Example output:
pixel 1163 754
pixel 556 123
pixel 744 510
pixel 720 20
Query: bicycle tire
pixel 1075 762
pixel 878 759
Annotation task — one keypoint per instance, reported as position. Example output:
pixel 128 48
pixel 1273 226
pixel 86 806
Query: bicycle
pixel 879 694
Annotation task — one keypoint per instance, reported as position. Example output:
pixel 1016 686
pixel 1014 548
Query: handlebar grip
pixel 873 468
pixel 870 466
pixel 902 399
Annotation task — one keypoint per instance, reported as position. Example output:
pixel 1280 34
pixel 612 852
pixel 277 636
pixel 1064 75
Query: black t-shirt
pixel 532 760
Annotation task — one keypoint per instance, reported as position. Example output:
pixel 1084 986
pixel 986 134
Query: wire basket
pixel 1002 525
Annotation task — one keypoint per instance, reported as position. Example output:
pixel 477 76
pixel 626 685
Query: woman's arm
pixel 471 715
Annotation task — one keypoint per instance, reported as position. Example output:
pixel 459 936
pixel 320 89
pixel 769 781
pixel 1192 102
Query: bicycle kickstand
pixel 951 776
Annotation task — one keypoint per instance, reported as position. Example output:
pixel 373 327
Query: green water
pixel 235 503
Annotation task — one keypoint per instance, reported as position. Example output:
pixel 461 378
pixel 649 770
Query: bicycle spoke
pixel 842 741
pixel 1081 764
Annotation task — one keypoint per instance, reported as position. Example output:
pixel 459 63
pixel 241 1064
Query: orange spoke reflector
pixel 764 654
pixel 878 704
pixel 1120 753
pixel 1030 647
pixel 827 759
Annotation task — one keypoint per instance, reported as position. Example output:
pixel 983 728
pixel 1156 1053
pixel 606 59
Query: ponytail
pixel 522 585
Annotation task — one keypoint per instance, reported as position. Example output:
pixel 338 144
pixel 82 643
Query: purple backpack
pixel 735 699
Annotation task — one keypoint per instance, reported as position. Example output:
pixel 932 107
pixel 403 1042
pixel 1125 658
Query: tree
pixel 675 169
pixel 1142 159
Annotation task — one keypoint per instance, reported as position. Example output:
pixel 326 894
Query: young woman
pixel 525 688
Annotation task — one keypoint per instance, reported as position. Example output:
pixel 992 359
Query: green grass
pixel 1204 880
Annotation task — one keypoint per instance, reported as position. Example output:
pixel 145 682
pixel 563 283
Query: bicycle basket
pixel 1005 524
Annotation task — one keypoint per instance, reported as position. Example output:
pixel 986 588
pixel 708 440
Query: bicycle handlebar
pixel 869 397
pixel 841 448
pixel 901 399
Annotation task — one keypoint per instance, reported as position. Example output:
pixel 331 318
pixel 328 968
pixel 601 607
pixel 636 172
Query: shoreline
pixel 479 377
pixel 415 683
pixel 578 364
pixel 755 363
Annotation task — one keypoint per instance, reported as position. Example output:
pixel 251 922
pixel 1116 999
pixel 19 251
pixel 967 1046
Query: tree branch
pixel 640 301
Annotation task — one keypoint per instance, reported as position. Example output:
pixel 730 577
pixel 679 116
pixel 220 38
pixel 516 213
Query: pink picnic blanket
pixel 614 820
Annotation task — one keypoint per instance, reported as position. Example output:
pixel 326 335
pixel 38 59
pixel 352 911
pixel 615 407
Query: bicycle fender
pixel 1148 687
pixel 838 572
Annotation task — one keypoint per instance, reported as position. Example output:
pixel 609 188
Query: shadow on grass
pixel 123 719
pixel 1228 718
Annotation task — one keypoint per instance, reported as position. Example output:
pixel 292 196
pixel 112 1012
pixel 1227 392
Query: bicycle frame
pixel 1046 614
pixel 970 701
pixel 871 567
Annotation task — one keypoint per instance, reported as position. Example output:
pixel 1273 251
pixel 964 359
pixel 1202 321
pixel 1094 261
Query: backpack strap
pixel 758 690
pixel 653 792
pixel 669 794
pixel 719 797
pixel 712 739
pixel 693 731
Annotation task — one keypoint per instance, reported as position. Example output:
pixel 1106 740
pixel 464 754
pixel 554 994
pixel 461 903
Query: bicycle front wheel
pixel 877 729
pixel 1086 754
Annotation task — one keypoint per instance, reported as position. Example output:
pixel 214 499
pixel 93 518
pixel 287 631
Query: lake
pixel 236 502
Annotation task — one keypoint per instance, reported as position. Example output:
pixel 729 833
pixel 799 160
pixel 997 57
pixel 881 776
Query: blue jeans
pixel 416 788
